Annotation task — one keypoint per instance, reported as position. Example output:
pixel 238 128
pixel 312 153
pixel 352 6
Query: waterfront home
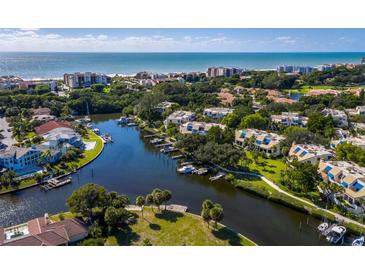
pixel 359 110
pixel 264 141
pixel 163 106
pixel 179 117
pixel 348 175
pixel 338 116
pixel 198 127
pixel 43 232
pixel 42 114
pixel 50 125
pixel 81 80
pixel 309 153
pixel 356 141
pixel 290 119
pixel 19 158
pixel 63 135
pixel 32 84
pixel 216 113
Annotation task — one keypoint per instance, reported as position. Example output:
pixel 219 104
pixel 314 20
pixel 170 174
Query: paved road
pixel 4 127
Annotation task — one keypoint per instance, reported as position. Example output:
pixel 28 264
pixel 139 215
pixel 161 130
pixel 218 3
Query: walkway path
pixel 338 217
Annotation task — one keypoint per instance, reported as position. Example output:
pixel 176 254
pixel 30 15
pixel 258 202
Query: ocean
pixel 40 65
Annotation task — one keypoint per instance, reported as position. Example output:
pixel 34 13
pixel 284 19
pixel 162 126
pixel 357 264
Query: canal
pixel 134 167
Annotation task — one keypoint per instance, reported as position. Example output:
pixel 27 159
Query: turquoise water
pixel 46 65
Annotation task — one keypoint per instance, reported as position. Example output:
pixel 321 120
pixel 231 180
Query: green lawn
pixel 270 168
pixel 30 135
pixel 63 215
pixel 23 184
pixel 175 229
pixel 305 88
pixel 87 155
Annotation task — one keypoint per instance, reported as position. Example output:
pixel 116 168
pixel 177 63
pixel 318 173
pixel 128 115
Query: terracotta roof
pixel 46 127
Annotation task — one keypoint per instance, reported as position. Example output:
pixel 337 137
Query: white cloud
pixel 286 39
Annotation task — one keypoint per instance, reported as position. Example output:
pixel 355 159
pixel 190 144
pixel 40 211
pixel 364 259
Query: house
pixel 163 106
pixel 290 119
pixel 179 117
pixel 217 113
pixel 43 232
pixel 41 111
pixel 198 127
pixel 50 125
pixel 19 158
pixel 348 175
pixel 359 110
pixel 338 116
pixel 309 153
pixel 264 141
pixel 63 135
pixel 356 141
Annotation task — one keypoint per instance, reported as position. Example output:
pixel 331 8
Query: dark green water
pixel 132 166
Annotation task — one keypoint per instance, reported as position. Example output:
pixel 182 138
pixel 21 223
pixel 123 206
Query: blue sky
pixel 182 40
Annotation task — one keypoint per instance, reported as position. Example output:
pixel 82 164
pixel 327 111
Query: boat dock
pixel 164 145
pixel 152 135
pixel 55 183
pixel 216 177
pixel 177 157
pixel 201 171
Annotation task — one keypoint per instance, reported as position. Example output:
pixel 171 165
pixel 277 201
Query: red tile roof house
pixel 46 127
pixel 43 232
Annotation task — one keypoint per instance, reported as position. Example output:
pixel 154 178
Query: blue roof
pixel 243 134
pixel 303 153
pixel 297 149
pixel 267 141
pixel 357 186
pixel 344 184
pixel 327 169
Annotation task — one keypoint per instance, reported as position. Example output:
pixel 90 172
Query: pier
pixel 164 145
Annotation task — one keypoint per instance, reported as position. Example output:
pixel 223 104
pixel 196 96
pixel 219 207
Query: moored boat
pixel 322 227
pixel 186 169
pixel 336 234
pixel 358 242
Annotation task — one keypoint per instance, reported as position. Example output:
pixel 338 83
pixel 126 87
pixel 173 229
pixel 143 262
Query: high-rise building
pixel 81 80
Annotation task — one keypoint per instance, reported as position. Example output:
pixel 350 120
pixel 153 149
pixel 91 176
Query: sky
pixel 183 40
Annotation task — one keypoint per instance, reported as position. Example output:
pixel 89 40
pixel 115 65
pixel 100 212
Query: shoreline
pixel 78 168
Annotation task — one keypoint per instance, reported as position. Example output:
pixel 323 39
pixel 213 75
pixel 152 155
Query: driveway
pixel 4 127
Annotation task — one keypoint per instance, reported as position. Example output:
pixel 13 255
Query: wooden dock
pixel 151 135
pixel 164 145
pixel 177 157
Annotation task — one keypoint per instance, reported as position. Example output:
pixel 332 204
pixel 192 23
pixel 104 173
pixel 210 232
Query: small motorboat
pixel 358 242
pixel 186 169
pixel 336 234
pixel 123 120
pixel 96 131
pixel 156 141
pixel 322 227
pixel 89 126
pixel 131 124
pixel 216 177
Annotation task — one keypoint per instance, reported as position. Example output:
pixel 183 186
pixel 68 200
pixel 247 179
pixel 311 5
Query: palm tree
pixel 150 201
pixel 166 196
pixel 141 201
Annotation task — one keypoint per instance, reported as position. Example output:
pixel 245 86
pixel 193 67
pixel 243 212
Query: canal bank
pixel 131 165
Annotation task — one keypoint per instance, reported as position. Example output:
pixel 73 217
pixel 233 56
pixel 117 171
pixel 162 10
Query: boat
pixel 89 126
pixel 216 177
pixel 87 119
pixel 358 242
pixel 201 171
pixel 168 149
pixel 123 120
pixel 186 169
pixel 186 163
pixel 336 234
pixel 96 131
pixel 322 227
pixel 156 140
pixel 131 124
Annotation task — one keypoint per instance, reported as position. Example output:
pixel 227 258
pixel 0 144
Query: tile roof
pixel 46 127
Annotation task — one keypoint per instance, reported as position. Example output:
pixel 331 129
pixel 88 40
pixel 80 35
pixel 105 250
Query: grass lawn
pixel 175 229
pixel 88 155
pixel 305 88
pixel 61 216
pixel 30 135
pixel 270 168
pixel 23 184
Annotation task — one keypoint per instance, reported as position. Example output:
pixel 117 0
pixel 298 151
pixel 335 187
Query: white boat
pixel 216 177
pixel 89 126
pixel 131 124
pixel 123 120
pixel 358 241
pixel 96 131
pixel 336 234
pixel 322 227
pixel 186 169
pixel 156 140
